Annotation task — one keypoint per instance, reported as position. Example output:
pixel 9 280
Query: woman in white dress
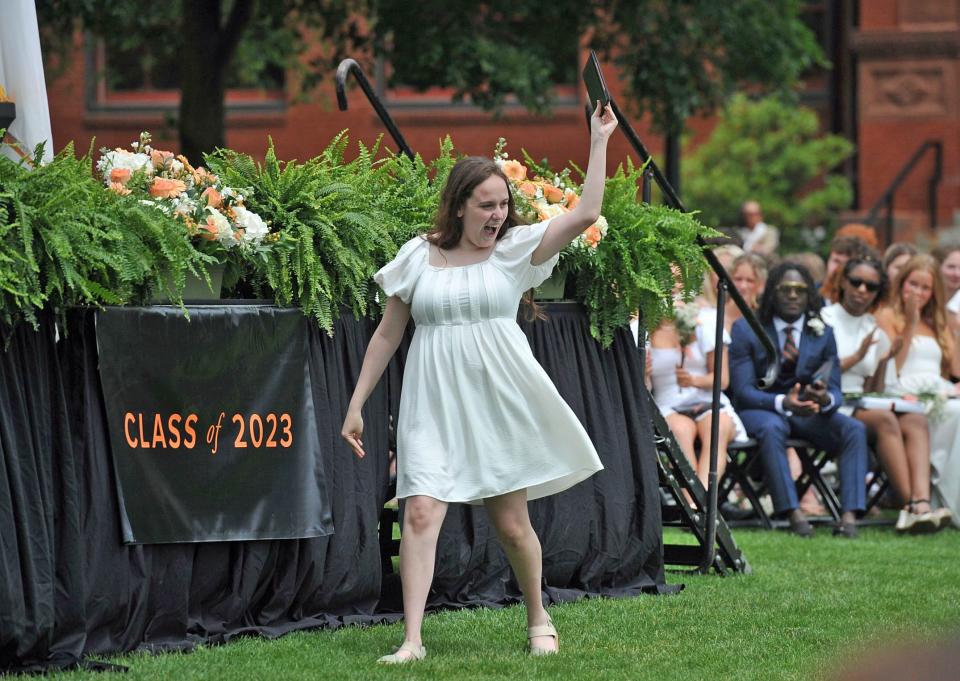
pixel 682 386
pixel 480 421
pixel 901 440
pixel 927 355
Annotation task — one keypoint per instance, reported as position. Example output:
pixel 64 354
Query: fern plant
pixel 64 240
pixel 632 268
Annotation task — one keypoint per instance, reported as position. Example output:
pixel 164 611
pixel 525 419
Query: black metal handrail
pixel 725 287
pixel 886 198
pixel 348 66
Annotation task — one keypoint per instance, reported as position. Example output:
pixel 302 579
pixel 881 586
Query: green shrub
pixel 771 151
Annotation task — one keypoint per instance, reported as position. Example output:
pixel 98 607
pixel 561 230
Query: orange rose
pixel 572 198
pixel 162 188
pixel 158 158
pixel 202 176
pixel 514 170
pixel 214 200
pixel 120 175
pixel 552 194
pixel 209 229
pixel 528 188
pixel 119 188
pixel 592 235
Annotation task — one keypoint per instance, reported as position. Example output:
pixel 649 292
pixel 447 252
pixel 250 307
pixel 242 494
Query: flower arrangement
pixel 210 211
pixel 686 318
pixel 546 194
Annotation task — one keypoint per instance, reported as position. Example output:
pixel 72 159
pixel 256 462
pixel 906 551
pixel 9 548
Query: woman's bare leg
pixel 510 518
pixel 422 518
pixel 889 448
pixel 916 442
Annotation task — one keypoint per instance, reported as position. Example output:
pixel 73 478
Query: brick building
pixel 894 85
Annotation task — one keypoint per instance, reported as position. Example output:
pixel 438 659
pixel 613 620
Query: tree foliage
pixel 771 151
pixel 678 57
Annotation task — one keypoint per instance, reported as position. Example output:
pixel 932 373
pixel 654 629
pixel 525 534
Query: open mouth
pixel 490 230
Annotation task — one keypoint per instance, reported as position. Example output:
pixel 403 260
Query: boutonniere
pixel 816 325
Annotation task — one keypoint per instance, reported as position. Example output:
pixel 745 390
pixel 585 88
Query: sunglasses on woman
pixel 871 286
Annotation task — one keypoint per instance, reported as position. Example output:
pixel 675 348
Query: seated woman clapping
pixel 926 356
pixel 901 440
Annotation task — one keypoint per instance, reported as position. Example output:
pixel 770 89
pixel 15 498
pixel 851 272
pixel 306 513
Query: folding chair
pixel 744 468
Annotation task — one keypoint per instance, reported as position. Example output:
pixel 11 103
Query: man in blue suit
pixel 797 405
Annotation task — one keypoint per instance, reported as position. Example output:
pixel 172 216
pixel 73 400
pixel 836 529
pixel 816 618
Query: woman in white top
pixel 682 378
pixel 480 421
pixel 927 354
pixel 901 441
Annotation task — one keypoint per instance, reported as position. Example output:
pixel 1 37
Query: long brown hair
pixel 464 177
pixel 934 313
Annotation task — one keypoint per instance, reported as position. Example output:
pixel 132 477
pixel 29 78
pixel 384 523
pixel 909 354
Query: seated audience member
pixel 949 259
pixel 758 236
pixel 798 404
pixel 842 248
pixel 813 262
pixel 895 257
pixel 725 254
pixel 927 357
pixel 681 373
pixel 902 441
pixel 749 273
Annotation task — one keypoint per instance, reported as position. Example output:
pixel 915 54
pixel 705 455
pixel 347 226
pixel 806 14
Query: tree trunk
pixel 208 47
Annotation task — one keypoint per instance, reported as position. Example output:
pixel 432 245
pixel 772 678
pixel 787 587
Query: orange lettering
pixel 159 438
pixel 143 441
pixel 129 418
pixel 190 435
pixel 174 431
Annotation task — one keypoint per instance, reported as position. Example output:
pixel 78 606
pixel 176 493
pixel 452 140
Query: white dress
pixel 849 332
pixel 479 416
pixel 921 373
pixel 668 395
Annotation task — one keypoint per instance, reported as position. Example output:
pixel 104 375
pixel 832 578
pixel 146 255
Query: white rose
pixel 551 210
pixel 815 324
pixel 254 228
pixel 222 225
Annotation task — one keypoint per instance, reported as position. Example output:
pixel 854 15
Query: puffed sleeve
pixel 512 255
pixel 707 330
pixel 399 276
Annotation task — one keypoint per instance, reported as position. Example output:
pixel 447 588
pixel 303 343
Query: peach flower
pixel 158 158
pixel 592 235
pixel 514 170
pixel 209 229
pixel 572 198
pixel 120 175
pixel 214 200
pixel 528 188
pixel 119 188
pixel 163 188
pixel 552 194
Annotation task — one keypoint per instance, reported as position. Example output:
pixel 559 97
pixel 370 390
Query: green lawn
pixel 808 605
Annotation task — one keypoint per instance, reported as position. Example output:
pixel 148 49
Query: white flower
pixel 224 232
pixel 816 325
pixel 551 210
pixel 556 180
pixel 602 225
pixel 184 205
pixel 124 160
pixel 254 228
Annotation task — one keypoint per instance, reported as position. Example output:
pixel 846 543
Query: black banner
pixel 212 424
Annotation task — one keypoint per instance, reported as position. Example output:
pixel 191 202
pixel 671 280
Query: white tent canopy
pixel 21 74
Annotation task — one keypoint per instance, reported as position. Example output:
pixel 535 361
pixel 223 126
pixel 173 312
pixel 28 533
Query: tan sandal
pixel 543 630
pixel 415 653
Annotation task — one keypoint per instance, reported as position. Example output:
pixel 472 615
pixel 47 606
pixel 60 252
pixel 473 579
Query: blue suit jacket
pixel 747 366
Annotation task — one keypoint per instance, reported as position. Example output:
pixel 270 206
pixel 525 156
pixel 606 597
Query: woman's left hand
pixel 602 123
pixel 685 379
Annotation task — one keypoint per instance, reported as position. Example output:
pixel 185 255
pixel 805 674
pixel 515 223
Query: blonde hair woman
pixel 928 355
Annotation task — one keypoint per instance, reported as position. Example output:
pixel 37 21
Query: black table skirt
pixel 69 587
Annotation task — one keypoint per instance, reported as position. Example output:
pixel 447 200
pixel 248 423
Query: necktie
pixel 790 352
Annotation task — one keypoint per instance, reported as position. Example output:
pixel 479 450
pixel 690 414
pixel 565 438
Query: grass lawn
pixel 808 605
